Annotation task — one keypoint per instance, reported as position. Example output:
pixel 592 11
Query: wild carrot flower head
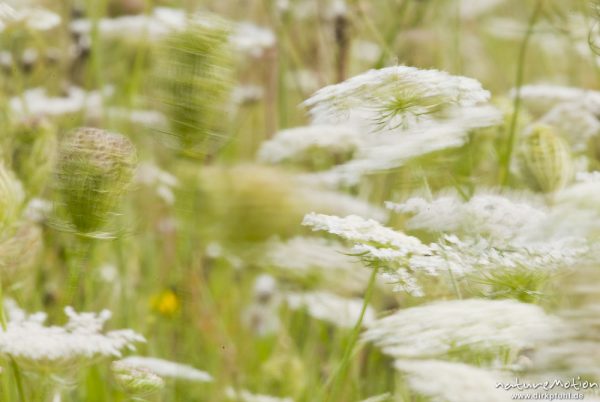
pixel 167 369
pixel 94 169
pixel 394 96
pixel 546 161
pixel 486 326
pixel 136 381
pixel 55 349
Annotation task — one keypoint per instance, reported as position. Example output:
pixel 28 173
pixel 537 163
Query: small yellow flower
pixel 166 303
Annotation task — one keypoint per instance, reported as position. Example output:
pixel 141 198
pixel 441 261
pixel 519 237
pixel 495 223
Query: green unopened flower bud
pixel 34 154
pixel 546 161
pixel 194 79
pixel 136 381
pixel 95 168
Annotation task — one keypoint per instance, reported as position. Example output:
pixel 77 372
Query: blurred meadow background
pixel 299 200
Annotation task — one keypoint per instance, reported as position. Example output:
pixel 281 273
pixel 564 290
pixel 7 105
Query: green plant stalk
pixel 340 373
pixel 13 363
pixel 76 268
pixel 507 156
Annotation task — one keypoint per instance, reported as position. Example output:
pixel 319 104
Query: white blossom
pixel 479 325
pixel 293 143
pixel 339 311
pixel 54 349
pixel 453 382
pixel 35 18
pixel 470 9
pixel 497 216
pixel 386 150
pixel 397 95
pixel 242 395
pixel 316 258
pixel 251 39
pixel 162 181
pixel 168 369
pixel 36 102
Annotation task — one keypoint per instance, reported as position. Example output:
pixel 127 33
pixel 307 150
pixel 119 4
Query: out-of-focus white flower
pixel 34 18
pixel 148 118
pixel 540 98
pixel 366 51
pixel 339 311
pixel 470 9
pixel 403 258
pixel 261 315
pixel 379 398
pixel 251 39
pixel 306 81
pixel 163 181
pixel 388 150
pixel 156 25
pixel 292 144
pixel 35 102
pixel 315 258
pixel 242 395
pixel 37 209
pixel 394 96
pixel 361 230
pixel 479 325
pixel 168 369
pixel 490 215
pixel 53 349
pixel 243 94
pixel 576 122
pixel 328 201
pixel 588 177
pixel 452 382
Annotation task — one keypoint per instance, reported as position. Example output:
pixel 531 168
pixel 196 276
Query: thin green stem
pixel 340 373
pixel 507 156
pixel 13 363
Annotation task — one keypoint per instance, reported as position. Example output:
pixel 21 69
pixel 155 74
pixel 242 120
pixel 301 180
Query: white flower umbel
pixel 470 9
pixel 34 18
pixel 312 258
pixel 403 259
pixel 452 382
pixel 35 102
pixel 54 349
pixel 475 325
pixel 394 96
pixel 294 143
pixel 491 215
pixel 168 369
pixel 576 122
pixel 243 395
pixel 387 397
pixel 540 98
pixel 392 149
pixel 251 39
pixel 162 181
pixel 339 311
pixel 374 242
pixel 336 202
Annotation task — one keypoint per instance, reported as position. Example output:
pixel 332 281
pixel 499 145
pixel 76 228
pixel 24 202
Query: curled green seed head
pixel 545 160
pixel 95 168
